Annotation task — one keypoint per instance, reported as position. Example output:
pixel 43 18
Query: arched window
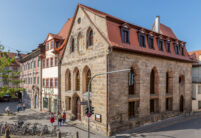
pixel 77 81
pixel 88 77
pixel 152 82
pixel 68 80
pixel 131 82
pixel 89 37
pixel 72 49
pixel 154 101
pixel 167 82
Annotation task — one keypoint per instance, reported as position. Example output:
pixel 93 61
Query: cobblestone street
pixel 177 127
pixel 68 130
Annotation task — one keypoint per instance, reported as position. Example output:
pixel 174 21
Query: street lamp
pixel 88 105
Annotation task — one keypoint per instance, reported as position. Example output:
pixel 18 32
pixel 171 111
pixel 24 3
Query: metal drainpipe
pixel 58 85
pixel 41 71
pixel 108 95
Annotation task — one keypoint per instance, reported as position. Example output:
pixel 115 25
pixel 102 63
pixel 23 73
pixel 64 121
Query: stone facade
pixel 118 87
pixel 110 93
pixel 83 59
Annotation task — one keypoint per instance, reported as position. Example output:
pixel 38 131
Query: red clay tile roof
pixel 114 37
pixel 196 53
pixel 64 33
pixel 165 30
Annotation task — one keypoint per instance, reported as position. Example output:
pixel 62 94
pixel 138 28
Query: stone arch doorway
pixel 76 107
pixel 181 103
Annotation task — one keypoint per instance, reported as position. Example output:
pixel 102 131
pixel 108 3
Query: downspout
pixel 59 84
pixel 107 94
pixel 41 91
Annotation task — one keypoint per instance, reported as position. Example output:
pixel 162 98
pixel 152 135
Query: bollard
pixel 7 133
pixel 58 134
pixel 77 134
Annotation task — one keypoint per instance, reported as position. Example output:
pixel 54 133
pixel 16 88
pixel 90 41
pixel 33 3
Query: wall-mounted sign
pixel 98 117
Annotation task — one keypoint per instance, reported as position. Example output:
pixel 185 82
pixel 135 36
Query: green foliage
pixel 8 75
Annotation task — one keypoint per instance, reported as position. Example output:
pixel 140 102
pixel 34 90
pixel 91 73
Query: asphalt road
pixel 185 129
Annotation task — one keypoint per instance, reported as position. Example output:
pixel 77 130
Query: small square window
pixel 168 47
pixel 47 46
pixel 182 50
pixel 176 49
pixel 52 44
pixel 141 38
pixel 160 45
pixel 125 35
pixel 151 42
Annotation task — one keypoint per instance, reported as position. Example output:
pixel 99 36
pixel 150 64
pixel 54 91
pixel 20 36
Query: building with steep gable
pixel 50 68
pixel 159 64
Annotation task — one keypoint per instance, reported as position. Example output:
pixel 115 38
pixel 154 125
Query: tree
pixel 8 75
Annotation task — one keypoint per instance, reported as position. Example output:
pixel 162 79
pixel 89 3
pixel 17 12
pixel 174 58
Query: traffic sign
pixel 83 103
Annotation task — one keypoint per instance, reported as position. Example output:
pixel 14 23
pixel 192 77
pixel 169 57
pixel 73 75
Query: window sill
pixel 133 97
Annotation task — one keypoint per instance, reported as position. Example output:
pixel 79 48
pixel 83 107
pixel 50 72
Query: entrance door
pixel 36 102
pixel 181 104
pixel 78 109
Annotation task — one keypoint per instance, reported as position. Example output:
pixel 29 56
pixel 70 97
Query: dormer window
pixel 124 35
pixel 52 44
pixel 47 46
pixel 141 38
pixel 182 50
pixel 160 44
pixel 168 46
pixel 151 42
pixel 176 49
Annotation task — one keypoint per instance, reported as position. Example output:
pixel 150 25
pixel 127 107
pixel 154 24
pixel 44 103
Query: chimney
pixel 156 25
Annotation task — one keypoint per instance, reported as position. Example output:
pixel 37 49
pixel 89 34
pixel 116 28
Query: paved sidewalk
pixel 68 130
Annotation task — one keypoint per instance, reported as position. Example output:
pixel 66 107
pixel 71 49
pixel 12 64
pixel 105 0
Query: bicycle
pixel 25 128
pixel 44 130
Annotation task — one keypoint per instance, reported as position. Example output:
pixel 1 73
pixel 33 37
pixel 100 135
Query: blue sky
pixel 25 23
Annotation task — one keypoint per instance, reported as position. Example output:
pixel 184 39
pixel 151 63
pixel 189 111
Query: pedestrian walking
pixel 24 106
pixel 7 110
pixel 59 119
pixel 52 119
pixel 18 107
pixel 64 117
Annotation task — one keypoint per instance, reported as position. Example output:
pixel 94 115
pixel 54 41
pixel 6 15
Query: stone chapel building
pixel 159 64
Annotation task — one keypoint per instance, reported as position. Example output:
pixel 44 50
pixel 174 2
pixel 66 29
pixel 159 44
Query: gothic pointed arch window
pixel 88 78
pixel 131 82
pixel 90 37
pixel 77 79
pixel 154 95
pixel 68 80
pixel 152 82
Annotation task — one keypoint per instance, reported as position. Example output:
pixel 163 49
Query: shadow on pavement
pixel 33 116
